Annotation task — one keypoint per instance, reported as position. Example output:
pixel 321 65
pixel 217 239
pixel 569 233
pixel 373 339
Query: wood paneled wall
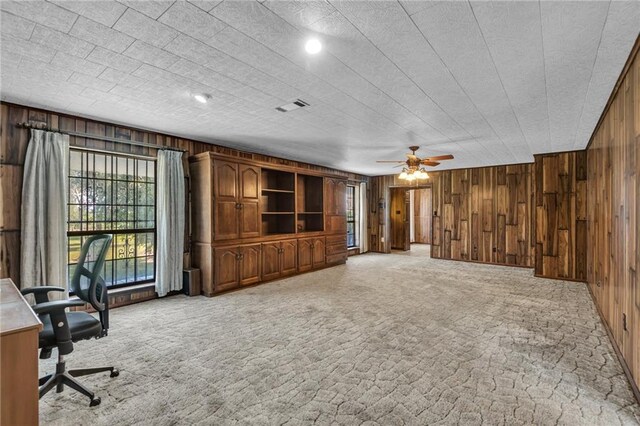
pixel 561 215
pixel 13 147
pixel 613 238
pixel 484 215
pixel 479 214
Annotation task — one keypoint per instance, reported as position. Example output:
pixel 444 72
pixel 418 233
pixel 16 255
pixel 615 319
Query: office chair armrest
pixel 55 306
pixel 59 323
pixel 41 293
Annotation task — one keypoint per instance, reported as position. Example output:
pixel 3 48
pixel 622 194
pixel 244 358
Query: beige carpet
pixel 387 339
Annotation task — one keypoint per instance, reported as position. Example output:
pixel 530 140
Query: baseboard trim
pixel 616 349
pixel 575 280
pixel 511 265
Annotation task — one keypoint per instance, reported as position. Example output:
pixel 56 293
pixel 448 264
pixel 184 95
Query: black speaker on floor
pixel 191 281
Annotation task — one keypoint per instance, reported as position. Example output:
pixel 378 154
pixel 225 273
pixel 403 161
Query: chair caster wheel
pixel 114 373
pixel 95 401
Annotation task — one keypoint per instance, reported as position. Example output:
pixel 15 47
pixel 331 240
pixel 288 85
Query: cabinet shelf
pixel 281 191
pixel 277 213
pixel 310 203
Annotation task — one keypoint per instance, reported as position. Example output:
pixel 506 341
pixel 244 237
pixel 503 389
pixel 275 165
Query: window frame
pixel 113 231
pixel 354 190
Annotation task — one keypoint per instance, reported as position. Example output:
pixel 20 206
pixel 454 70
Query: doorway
pixel 411 215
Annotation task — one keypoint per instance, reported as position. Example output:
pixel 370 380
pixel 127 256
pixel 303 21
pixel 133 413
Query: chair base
pixel 63 377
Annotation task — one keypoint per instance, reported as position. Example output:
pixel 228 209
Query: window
pixel 115 194
pixel 352 216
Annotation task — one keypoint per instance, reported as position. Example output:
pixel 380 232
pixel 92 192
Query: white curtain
pixel 170 222
pixel 44 212
pixel 364 210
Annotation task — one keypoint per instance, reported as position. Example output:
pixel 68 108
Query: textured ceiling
pixel 490 82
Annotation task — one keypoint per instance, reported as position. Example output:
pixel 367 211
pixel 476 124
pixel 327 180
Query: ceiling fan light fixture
pixel 414 169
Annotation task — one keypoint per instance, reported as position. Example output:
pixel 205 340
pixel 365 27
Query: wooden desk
pixel 19 328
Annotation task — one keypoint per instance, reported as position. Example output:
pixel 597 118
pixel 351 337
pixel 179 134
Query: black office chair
pixel 62 328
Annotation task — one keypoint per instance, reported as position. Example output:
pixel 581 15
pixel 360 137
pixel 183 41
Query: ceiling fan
pixel 413 166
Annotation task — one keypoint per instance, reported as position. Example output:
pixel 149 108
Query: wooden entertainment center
pixel 255 222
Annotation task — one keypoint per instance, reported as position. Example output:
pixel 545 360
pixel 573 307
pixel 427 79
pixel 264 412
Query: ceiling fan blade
pixel 399 165
pixel 390 161
pixel 440 157
pixel 429 163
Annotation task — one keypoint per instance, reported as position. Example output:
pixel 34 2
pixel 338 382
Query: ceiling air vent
pixel 298 103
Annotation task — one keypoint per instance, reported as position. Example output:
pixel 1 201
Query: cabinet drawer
pixel 336 248
pixel 334 239
pixel 337 258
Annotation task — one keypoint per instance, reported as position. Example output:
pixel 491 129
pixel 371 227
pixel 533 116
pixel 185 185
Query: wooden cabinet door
pixel 305 254
pixel 226 200
pixel 226 264
pixel 336 224
pixel 318 252
pixel 340 197
pixel 249 198
pixel 249 183
pixel 226 220
pixel 289 257
pixel 250 264
pixel 270 261
pixel 249 219
pixel 226 180
pixel 330 207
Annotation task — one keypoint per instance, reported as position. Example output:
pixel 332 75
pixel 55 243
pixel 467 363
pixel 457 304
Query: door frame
pixel 387 237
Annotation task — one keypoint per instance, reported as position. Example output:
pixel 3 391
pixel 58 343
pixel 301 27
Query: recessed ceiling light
pixel 313 46
pixel 201 98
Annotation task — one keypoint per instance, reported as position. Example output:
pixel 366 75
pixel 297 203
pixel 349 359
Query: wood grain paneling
pixel 560 219
pixel 483 215
pixel 479 214
pixel 612 206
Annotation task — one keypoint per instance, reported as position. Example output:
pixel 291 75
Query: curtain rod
pixel 26 125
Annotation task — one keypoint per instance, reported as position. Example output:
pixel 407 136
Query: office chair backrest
pixel 87 282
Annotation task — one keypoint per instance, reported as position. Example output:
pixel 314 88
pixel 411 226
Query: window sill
pixel 125 296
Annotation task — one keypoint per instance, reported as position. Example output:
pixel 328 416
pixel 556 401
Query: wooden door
pixel 289 257
pixel 422 215
pixel 400 232
pixel 250 264
pixel 270 261
pixel 226 200
pixel 318 252
pixel 249 195
pixel 305 254
pixel 226 263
